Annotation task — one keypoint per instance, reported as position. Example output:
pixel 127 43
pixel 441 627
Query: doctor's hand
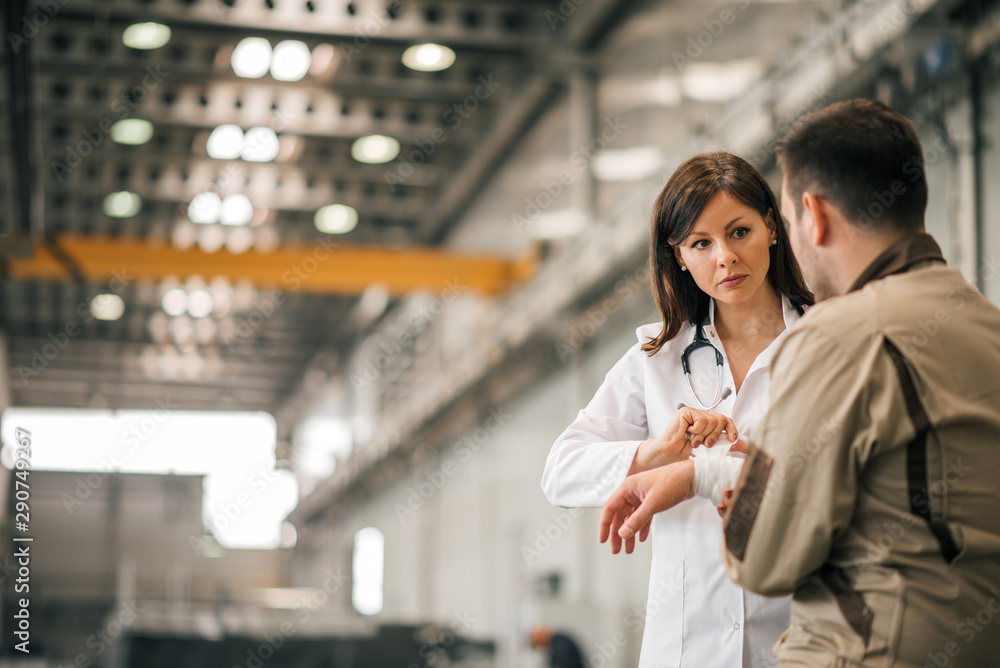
pixel 688 429
pixel 727 498
pixel 631 508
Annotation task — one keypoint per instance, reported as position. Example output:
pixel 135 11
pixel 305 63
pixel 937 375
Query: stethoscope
pixel 700 342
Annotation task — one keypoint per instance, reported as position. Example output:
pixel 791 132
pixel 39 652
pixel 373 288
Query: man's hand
pixel 631 508
pixel 689 428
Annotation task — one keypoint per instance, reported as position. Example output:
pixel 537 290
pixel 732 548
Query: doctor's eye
pixel 741 232
pixel 700 241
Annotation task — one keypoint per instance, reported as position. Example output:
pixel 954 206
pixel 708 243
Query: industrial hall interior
pixel 325 325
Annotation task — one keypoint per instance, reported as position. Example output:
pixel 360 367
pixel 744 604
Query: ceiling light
pixel 182 329
pixel 122 204
pixel 261 145
pixel 225 142
pixel 375 149
pixel 107 306
pixel 719 82
pixel 291 60
pixel 146 35
pixel 132 131
pixel 205 207
pixel 199 303
pixel 251 57
pixel 336 219
pixel 239 240
pixel 428 57
pixel 322 58
pixel 558 224
pixel 236 210
pixel 175 301
pixel 211 238
pixel 630 164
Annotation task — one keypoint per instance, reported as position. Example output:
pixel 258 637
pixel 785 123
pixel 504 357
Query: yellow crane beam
pixel 320 268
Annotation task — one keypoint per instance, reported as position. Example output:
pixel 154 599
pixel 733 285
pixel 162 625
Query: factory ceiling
pixel 197 195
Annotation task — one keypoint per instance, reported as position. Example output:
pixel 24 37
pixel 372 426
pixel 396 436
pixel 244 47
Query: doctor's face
pixel 728 250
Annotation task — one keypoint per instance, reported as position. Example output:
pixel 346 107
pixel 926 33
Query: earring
pixel 774 241
pixel 683 268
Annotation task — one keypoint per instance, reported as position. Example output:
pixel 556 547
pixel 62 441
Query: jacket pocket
pixel 661 637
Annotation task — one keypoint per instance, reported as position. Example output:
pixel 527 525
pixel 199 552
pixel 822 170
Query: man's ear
pixel 817 223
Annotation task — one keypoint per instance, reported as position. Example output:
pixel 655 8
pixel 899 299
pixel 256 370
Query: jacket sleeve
pixel 591 458
pixel 797 491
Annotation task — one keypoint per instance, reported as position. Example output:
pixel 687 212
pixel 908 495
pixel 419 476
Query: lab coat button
pixel 736 626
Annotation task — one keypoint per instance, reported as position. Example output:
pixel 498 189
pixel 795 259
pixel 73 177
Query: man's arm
pixel 797 490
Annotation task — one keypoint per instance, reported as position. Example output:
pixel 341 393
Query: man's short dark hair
pixel 864 158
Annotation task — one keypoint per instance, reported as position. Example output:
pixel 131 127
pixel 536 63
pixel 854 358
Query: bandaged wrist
pixel 714 471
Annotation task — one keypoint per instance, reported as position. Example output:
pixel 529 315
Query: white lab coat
pixel 695 615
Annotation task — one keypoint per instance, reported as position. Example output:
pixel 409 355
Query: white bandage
pixel 714 471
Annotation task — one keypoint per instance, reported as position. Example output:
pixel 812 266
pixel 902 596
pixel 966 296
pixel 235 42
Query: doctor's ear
pixel 771 227
pixel 677 256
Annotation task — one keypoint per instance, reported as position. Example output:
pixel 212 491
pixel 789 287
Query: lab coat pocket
pixel 661 638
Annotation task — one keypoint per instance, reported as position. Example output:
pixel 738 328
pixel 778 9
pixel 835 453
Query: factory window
pixel 367 571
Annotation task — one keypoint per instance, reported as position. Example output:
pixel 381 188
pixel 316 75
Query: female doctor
pixel 728 288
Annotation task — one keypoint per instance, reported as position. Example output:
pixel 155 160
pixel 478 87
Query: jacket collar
pixel 900 256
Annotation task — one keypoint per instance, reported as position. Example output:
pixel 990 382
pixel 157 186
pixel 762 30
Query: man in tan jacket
pixel 872 492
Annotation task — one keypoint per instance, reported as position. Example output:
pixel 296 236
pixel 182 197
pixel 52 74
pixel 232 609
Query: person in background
pixel 563 652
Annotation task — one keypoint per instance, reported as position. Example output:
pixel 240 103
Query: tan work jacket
pixel 872 490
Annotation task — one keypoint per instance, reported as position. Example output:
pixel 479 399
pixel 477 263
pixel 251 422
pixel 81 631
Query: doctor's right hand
pixel 688 429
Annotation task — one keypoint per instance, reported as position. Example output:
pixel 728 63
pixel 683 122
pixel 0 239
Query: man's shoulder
pixel 847 315
pixel 830 331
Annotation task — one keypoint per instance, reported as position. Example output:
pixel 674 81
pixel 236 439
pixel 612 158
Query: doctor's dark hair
pixel 864 158
pixel 675 213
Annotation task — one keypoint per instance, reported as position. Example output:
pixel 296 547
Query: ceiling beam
pixel 325 267
pixel 369 24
